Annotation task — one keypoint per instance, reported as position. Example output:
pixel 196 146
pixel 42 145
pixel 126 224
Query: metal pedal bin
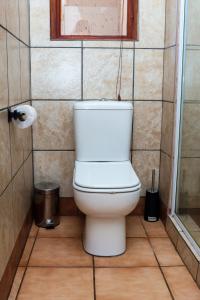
pixel 46 204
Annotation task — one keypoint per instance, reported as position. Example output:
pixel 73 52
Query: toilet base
pixel 105 236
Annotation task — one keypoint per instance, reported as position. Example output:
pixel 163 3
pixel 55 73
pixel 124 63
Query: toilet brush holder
pixel 152 202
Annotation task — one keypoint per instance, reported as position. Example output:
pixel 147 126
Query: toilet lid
pixel 105 175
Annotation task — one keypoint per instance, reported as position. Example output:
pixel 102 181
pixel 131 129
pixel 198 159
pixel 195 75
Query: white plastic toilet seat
pixel 105 177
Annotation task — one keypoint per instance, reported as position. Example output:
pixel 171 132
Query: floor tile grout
pixel 94 279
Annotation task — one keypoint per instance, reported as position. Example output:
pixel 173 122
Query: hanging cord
pixel 120 64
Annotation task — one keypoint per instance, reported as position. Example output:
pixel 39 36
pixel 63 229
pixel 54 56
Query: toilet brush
pixel 152 202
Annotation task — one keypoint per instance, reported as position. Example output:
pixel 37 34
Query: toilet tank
pixel 103 130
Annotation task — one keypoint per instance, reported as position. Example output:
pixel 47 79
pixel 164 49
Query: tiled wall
pixel 15 144
pixel 169 103
pixel 68 71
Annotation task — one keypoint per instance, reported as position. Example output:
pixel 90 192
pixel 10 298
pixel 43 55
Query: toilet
pixel 106 187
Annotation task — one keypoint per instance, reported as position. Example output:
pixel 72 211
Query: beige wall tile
pixel 165 179
pixel 167 127
pixel 3 12
pixel 4 71
pixel 25 72
pixel 12 16
pixel 187 256
pixel 193 22
pixel 100 67
pixel 56 73
pixel 148 74
pixel 24 20
pixel 151 24
pixel 13 70
pixel 6 228
pixel 169 74
pixel 17 147
pixel 21 204
pixel 147 125
pixel 54 126
pixel 21 145
pixel 28 178
pixel 171 22
pixel 192 66
pixel 55 166
pixel 172 231
pixel 40 29
pixel 5 160
pixel 27 142
pixel 143 162
pixel 191 130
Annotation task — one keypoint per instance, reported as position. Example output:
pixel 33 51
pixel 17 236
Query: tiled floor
pixel 55 267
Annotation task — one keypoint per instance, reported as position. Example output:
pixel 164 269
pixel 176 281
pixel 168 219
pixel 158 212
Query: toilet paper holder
pixel 16 115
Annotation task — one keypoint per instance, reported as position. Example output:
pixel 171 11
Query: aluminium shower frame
pixel 181 36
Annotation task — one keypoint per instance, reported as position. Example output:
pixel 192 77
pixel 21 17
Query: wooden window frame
pixel 55 24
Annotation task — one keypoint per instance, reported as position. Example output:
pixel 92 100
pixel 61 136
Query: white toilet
pixel 106 187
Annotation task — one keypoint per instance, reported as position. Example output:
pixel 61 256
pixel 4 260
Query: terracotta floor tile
pixel 181 283
pixel 63 252
pixel 134 227
pixel 27 252
pixel 70 226
pixel 130 284
pixel 165 252
pixel 154 229
pixel 34 230
pixel 57 284
pixel 16 284
pixel 139 253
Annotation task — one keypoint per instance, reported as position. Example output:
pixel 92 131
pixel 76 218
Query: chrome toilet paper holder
pixel 16 115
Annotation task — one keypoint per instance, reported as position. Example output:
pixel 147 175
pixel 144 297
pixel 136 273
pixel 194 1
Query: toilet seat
pixel 105 177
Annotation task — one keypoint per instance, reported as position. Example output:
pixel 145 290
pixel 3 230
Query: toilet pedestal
pixel 105 236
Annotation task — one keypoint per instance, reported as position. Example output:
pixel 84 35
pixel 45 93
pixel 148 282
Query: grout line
pixel 1 26
pixel 100 99
pixel 15 174
pixel 94 279
pixel 53 150
pixel 13 105
pixel 91 267
pixel 82 57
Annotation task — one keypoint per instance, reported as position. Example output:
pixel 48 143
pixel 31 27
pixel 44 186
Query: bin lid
pixel 47 187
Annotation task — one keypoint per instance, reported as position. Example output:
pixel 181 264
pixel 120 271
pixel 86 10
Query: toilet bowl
pixel 106 187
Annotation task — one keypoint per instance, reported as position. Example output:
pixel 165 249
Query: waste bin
pixel 46 204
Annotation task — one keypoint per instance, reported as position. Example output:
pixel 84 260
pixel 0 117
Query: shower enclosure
pixel 187 157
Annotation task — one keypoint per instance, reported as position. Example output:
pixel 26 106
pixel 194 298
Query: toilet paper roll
pixel 30 116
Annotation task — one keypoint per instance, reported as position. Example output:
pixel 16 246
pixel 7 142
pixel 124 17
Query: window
pixel 94 19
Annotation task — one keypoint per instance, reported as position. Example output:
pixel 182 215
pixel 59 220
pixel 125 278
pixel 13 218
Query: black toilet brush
pixel 152 202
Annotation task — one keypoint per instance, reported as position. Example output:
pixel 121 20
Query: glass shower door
pixel 188 185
